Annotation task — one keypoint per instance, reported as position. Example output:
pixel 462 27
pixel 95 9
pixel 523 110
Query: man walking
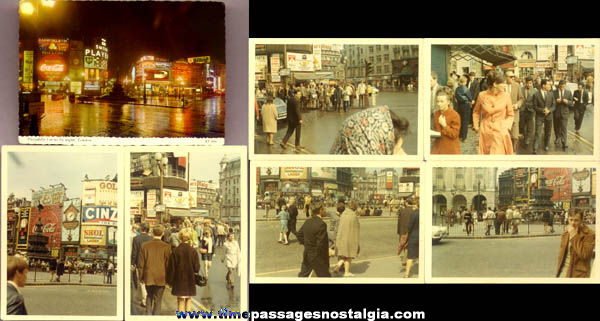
pixel 403 218
pixel 294 118
pixel 136 246
pixel 293 211
pixel 489 218
pixel 16 277
pixel 527 114
pixel 544 107
pixel 313 235
pixel 581 99
pixel 362 94
pixel 154 259
pixel 513 89
pixel 564 101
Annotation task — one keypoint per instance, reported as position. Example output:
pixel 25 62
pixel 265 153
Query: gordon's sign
pixel 99 215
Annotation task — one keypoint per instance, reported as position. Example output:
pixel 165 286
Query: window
pixel 405 52
pixel 379 69
pixel 386 58
pixel 371 59
pixel 387 69
pixel 370 49
pixel 386 47
pixel 378 47
pixel 378 59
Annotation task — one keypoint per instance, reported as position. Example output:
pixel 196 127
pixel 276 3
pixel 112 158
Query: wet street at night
pixel 160 117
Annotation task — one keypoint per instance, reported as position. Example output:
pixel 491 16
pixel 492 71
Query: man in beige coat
pixel 154 260
pixel 516 96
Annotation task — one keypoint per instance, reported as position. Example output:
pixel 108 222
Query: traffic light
pixel 368 68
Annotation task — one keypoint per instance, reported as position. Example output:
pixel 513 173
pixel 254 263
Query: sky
pixel 170 30
pixel 32 170
pixel 205 166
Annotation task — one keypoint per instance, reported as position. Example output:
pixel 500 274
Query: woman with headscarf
pixel 495 107
pixel 373 131
pixel 347 242
pixel 269 119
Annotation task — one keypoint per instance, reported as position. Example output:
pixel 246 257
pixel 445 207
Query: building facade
pixel 229 189
pixel 473 188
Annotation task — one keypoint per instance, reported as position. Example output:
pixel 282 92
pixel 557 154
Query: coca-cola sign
pixel 52 68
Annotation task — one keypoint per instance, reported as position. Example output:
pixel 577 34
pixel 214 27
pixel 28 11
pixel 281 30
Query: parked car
pixel 439 232
pixel 280 105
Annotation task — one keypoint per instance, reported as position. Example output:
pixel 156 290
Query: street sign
pixel 572 60
pixel 284 72
pixel 160 207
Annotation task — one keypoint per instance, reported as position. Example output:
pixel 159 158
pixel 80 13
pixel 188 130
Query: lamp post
pixel 162 163
pixel 144 84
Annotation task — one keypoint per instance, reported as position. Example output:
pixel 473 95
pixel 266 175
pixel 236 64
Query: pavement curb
pixel 325 218
pixel 77 284
pixel 498 237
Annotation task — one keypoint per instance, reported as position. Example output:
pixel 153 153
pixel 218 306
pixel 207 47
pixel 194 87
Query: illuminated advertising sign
pixel 300 62
pixel 23 227
pixel 559 180
pixel 76 87
pixel 28 66
pixel 199 60
pixel 91 85
pixel 389 180
pixel 52 68
pixel 269 171
pixel 294 173
pixel 93 235
pixel 176 199
pixel 94 62
pixel 71 218
pixel 51 218
pixel 582 181
pixel 96 57
pixel 99 215
pixel 53 45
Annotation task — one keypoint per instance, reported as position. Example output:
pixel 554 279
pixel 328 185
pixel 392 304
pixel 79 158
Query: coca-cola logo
pixel 557 181
pixel 53 68
pixel 49 228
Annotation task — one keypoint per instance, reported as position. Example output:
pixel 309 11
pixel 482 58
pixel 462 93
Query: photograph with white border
pixel 203 204
pixel 347 98
pixel 515 223
pixel 315 222
pixel 62 235
pixel 522 72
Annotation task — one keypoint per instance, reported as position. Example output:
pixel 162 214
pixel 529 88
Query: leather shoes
pixel 282 145
pixel 565 147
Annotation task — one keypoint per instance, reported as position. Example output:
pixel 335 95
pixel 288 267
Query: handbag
pixel 203 251
pixel 200 279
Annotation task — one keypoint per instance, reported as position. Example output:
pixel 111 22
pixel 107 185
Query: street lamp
pixel 162 163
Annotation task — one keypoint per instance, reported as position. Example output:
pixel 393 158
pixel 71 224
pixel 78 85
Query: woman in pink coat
pixel 495 107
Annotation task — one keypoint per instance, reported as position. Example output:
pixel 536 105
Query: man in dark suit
pixel 16 278
pixel 293 211
pixel 581 99
pixel 313 235
pixel 135 254
pixel 544 107
pixel 294 118
pixel 154 260
pixel 474 89
pixel 527 113
pixel 564 101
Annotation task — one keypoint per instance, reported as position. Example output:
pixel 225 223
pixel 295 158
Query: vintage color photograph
pixel 336 98
pixel 128 69
pixel 341 223
pixel 61 247
pixel 513 222
pixel 512 99
pixel 187 240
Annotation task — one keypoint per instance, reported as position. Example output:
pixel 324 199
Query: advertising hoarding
pixel 324 172
pixel 52 68
pixel 405 187
pixel 136 198
pixel 275 66
pixel 584 51
pixel 260 63
pixel 28 66
pixel 48 196
pixel 294 173
pixel 176 199
pixel 559 180
pixel 562 57
pixel 582 181
pixel 93 235
pixel 300 62
pixel 99 215
pixel 389 180
pixel 51 218
pixel 199 60
pixel 24 214
pixel 269 171
pixel 102 193
pixel 151 202
pixel 71 218
pixel 544 52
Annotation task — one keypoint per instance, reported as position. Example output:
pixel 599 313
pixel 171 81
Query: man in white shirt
pixel 516 220
pixel 508 220
pixel 489 218
pixel 362 92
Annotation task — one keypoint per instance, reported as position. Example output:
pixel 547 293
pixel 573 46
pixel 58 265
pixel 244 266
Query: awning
pixel 405 194
pixel 311 76
pixel 402 74
pixel 178 212
pixel 489 53
pixel 587 64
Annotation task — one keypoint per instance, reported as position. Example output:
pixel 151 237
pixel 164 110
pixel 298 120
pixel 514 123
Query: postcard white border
pixel 423 208
pixel 358 41
pixel 122 141
pixel 232 150
pixel 522 41
pixel 524 280
pixel 4 250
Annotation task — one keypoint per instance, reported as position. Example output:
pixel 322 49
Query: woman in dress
pixel 347 242
pixel 182 269
pixel 494 105
pixel 206 249
pixel 283 217
pixel 269 119
pixel 232 258
pixel 447 122
pixel 373 131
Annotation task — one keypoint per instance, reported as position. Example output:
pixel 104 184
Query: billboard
pixel 93 235
pixel 136 198
pixel 24 214
pixel 199 60
pixel 558 180
pixel 103 192
pixel 389 180
pixel 71 218
pixel 584 51
pixel 99 215
pixel 562 57
pixel 324 172
pixel 193 192
pixel 28 66
pixel 269 171
pixel 294 173
pixel 405 187
pixel 176 199
pixel 582 181
pixel 544 52
pixel 96 57
pixel 151 202
pixel 300 62
pixel 51 218
pixel 260 63
pixel 52 68
pixel 48 196
pixel 49 45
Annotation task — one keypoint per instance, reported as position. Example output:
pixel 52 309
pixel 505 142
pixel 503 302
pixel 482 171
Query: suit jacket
pixel 529 103
pixel 561 107
pixel 403 219
pixel 154 261
pixel 313 235
pixel 413 227
pixel 549 103
pixel 581 102
pixel 582 248
pixel 15 303
pixel 293 211
pixel 515 94
pixel 137 246
pixel 294 115
pixel 474 88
